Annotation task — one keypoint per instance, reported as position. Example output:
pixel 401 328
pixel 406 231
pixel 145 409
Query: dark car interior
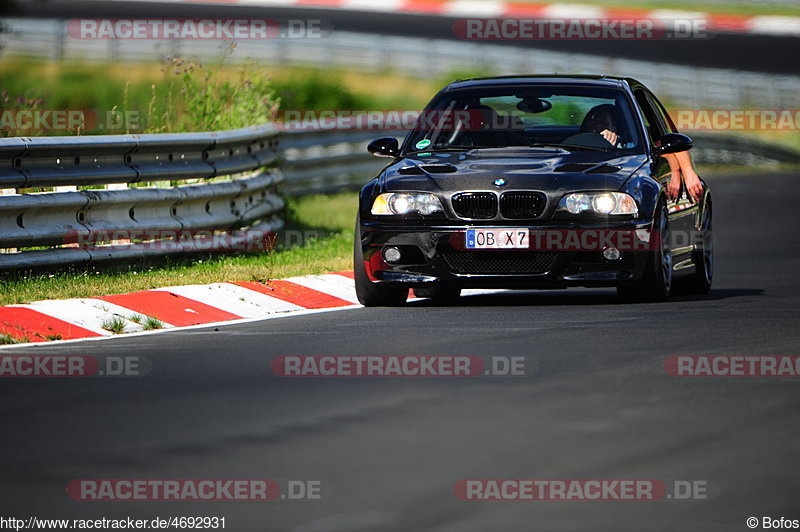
pixel 525 119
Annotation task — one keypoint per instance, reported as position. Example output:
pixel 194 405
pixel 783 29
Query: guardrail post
pixel 60 38
pixel 7 192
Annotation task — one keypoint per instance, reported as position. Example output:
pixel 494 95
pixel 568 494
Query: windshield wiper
pixel 471 148
pixel 568 146
pixel 518 148
pixel 431 149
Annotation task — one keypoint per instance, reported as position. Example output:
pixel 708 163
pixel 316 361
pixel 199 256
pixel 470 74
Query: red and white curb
pixel 176 306
pixel 762 24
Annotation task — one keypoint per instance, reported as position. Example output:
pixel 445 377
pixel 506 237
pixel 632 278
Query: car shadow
pixel 594 297
pixel 717 294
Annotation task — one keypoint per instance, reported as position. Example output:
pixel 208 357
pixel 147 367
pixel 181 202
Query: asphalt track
pixel 759 53
pixel 596 403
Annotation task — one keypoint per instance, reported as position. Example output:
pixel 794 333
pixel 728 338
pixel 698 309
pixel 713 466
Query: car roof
pixel 537 79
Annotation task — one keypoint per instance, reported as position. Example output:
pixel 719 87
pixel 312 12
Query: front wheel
pixel 372 294
pixel 656 283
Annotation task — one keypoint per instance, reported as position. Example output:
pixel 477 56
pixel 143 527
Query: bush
pixel 180 95
pixel 317 91
pixel 193 98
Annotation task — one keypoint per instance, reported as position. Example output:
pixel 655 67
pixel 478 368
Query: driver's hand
pixel 674 186
pixel 693 184
pixel 610 136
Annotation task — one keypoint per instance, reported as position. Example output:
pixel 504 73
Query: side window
pixel 651 119
pixel 666 120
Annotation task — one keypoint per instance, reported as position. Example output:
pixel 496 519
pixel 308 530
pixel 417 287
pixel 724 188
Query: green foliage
pixel 151 323
pixel 453 75
pixel 315 90
pixel 115 325
pixel 8 340
pixel 182 96
pixel 194 98
pixel 187 97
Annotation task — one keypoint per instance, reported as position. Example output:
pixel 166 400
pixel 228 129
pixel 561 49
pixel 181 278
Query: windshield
pixel 554 117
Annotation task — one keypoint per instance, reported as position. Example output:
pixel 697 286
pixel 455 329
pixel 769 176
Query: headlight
pixel 406 202
pixel 599 202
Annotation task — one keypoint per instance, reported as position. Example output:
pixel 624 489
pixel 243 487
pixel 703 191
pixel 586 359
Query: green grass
pixel 151 323
pixel 330 217
pixel 8 340
pixel 175 96
pixel 115 325
pixel 180 95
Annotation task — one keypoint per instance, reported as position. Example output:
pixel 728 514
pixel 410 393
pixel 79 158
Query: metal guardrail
pixel 249 199
pixel 739 150
pixel 321 162
pixel 103 159
pixel 308 162
pixel 45 219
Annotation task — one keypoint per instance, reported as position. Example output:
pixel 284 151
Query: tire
pixel 439 294
pixel 372 294
pixel 700 281
pixel 656 283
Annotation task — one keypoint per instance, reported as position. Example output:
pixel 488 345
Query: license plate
pixel 492 238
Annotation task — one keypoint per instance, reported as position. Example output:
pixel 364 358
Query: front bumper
pixel 436 256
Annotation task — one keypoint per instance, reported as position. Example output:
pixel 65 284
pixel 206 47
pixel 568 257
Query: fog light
pixel 612 254
pixel 391 254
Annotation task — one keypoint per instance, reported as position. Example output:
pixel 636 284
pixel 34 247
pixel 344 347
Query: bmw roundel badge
pixel 499 182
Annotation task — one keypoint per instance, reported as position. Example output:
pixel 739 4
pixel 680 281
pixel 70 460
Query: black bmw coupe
pixel 532 182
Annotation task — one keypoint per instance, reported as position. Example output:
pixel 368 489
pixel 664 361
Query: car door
pixel 682 211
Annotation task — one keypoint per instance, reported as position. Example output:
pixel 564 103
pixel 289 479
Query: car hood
pixel 551 171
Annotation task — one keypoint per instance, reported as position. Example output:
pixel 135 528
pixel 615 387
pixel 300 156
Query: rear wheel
pixel 700 281
pixel 656 283
pixel 373 294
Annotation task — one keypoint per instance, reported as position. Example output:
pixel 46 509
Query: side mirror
pixel 384 147
pixel 673 143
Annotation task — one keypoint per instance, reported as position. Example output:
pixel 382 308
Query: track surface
pixel 748 52
pixel 596 404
